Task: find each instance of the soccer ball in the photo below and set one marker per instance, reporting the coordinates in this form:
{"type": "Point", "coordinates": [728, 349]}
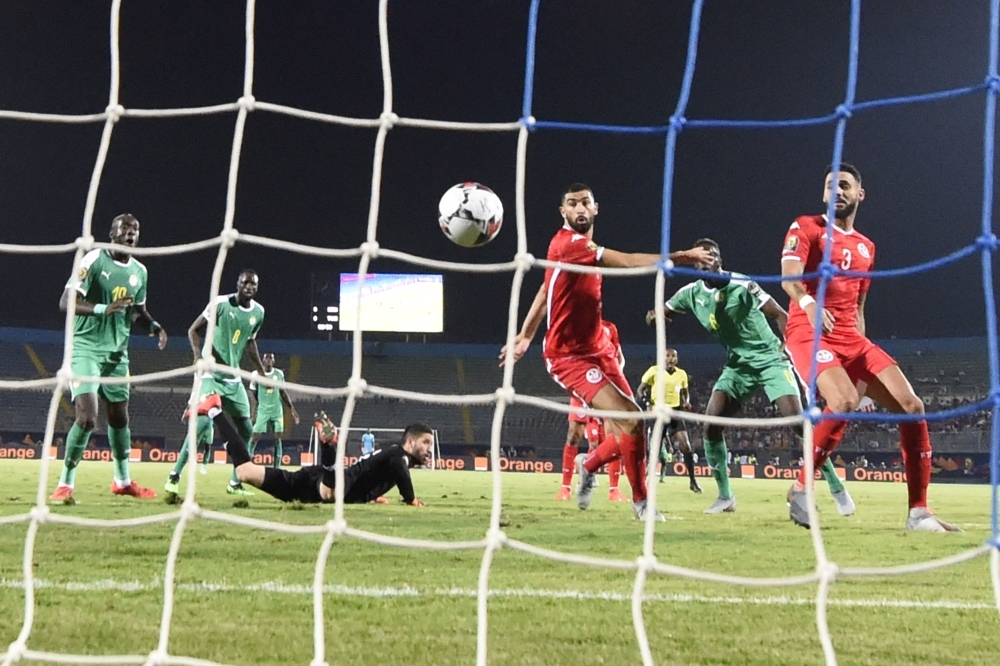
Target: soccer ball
{"type": "Point", "coordinates": [471, 214]}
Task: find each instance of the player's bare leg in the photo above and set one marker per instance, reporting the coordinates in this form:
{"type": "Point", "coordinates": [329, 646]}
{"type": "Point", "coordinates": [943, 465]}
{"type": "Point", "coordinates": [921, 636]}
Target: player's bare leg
{"type": "Point", "coordinates": [684, 444]}
{"type": "Point", "coordinates": [891, 389]}
{"type": "Point", "coordinates": [624, 437]}
{"type": "Point", "coordinates": [841, 395]}
{"type": "Point", "coordinates": [120, 438]}
{"type": "Point", "coordinates": [85, 406]}
{"type": "Point", "coordinates": [574, 433]}
{"type": "Point", "coordinates": [719, 404]}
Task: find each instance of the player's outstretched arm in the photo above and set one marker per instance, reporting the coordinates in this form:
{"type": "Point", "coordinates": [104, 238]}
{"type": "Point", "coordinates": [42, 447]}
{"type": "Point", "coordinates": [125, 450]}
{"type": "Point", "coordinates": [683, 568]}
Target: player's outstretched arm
{"type": "Point", "coordinates": [252, 394]}
{"type": "Point", "coordinates": [140, 313]}
{"type": "Point", "coordinates": [796, 290]}
{"type": "Point", "coordinates": [532, 321]}
{"type": "Point", "coordinates": [288, 403]}
{"type": "Point", "coordinates": [401, 475]}
{"type": "Point", "coordinates": [772, 310]}
{"type": "Point", "coordinates": [194, 335]}
{"type": "Point", "coordinates": [615, 259]}
{"type": "Point", "coordinates": [668, 315]}
{"type": "Point", "coordinates": [254, 353]}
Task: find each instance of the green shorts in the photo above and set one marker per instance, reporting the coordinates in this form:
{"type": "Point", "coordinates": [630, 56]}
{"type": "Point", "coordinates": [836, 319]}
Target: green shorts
{"type": "Point", "coordinates": [100, 364]}
{"type": "Point", "coordinates": [233, 394]}
{"type": "Point", "coordinates": [740, 383]}
{"type": "Point", "coordinates": [265, 420]}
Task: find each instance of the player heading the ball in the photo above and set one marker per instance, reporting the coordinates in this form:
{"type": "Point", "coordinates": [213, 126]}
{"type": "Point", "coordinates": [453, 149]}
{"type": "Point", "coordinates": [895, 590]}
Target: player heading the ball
{"type": "Point", "coordinates": [579, 355]}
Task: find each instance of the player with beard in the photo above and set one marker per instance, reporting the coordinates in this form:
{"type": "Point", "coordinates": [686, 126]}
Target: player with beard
{"type": "Point", "coordinates": [372, 476]}
{"type": "Point", "coordinates": [736, 310]}
{"type": "Point", "coordinates": [111, 296]}
{"type": "Point", "coordinates": [578, 352]}
{"type": "Point", "coordinates": [846, 356]}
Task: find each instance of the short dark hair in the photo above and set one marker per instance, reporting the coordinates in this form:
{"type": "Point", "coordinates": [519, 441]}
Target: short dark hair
{"type": "Point", "coordinates": [708, 244]}
{"type": "Point", "coordinates": [122, 219]}
{"type": "Point", "coordinates": [575, 187]}
{"type": "Point", "coordinates": [271, 353]}
{"type": "Point", "coordinates": [415, 430]}
{"type": "Point", "coordinates": [248, 271]}
{"type": "Point", "coordinates": [845, 168]}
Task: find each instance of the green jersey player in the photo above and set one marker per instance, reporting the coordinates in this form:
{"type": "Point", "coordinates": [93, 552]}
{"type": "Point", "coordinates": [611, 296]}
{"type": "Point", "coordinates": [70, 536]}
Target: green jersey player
{"type": "Point", "coordinates": [238, 319]}
{"type": "Point", "coordinates": [111, 295]}
{"type": "Point", "coordinates": [735, 310]}
{"type": "Point", "coordinates": [267, 407]}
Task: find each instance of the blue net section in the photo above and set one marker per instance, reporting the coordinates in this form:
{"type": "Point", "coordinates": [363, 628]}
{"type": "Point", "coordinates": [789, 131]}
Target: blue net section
{"type": "Point", "coordinates": [984, 245]}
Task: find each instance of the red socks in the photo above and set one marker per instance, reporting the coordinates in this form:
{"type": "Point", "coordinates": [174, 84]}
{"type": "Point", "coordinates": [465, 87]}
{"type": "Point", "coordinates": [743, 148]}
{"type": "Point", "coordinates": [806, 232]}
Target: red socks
{"type": "Point", "coordinates": [568, 463]}
{"type": "Point", "coordinates": [607, 451]}
{"type": "Point", "coordinates": [826, 436]}
{"type": "Point", "coordinates": [614, 471]}
{"type": "Point", "coordinates": [915, 443]}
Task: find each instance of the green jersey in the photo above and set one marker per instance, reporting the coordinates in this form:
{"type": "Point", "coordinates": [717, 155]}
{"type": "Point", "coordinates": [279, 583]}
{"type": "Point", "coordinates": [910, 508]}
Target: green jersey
{"type": "Point", "coordinates": [732, 314]}
{"type": "Point", "coordinates": [234, 327]}
{"type": "Point", "coordinates": [268, 397]}
{"type": "Point", "coordinates": [102, 279]}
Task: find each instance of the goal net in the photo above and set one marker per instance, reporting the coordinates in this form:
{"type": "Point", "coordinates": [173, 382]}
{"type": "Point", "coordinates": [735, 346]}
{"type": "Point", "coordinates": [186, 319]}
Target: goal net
{"type": "Point", "coordinates": [494, 536]}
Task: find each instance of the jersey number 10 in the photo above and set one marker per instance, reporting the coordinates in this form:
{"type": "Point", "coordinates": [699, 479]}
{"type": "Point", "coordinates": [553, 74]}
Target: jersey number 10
{"type": "Point", "coordinates": [118, 293]}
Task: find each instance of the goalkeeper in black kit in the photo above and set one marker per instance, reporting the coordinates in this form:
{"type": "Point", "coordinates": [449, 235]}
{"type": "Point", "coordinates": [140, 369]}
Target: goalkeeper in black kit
{"type": "Point", "coordinates": [365, 481]}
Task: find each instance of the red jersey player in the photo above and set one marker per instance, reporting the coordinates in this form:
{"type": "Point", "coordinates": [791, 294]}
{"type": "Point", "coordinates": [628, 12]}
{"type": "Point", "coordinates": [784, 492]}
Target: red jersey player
{"type": "Point", "coordinates": [578, 352]}
{"type": "Point", "coordinates": [581, 425]}
{"type": "Point", "coordinates": [846, 357]}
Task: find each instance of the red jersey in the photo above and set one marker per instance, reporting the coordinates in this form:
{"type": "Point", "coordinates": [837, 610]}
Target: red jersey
{"type": "Point", "coordinates": [574, 299]}
{"type": "Point", "coordinates": [852, 251]}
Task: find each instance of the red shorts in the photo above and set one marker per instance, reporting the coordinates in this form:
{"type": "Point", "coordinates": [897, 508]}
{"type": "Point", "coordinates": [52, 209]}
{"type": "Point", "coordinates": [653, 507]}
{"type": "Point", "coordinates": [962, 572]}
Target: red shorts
{"type": "Point", "coordinates": [576, 416]}
{"type": "Point", "coordinates": [859, 356]}
{"type": "Point", "coordinates": [595, 432]}
{"type": "Point", "coordinates": [584, 376]}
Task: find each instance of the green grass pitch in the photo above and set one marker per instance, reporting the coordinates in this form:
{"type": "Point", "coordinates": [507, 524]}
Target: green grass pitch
{"type": "Point", "coordinates": [243, 595]}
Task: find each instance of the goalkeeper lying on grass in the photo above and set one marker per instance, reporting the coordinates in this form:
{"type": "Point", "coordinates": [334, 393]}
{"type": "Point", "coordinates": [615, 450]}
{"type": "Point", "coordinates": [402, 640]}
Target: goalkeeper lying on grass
{"type": "Point", "coordinates": [367, 480]}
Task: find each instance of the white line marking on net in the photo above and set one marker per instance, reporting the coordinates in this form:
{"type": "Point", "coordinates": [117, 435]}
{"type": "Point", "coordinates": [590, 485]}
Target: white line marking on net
{"type": "Point", "coordinates": [277, 587]}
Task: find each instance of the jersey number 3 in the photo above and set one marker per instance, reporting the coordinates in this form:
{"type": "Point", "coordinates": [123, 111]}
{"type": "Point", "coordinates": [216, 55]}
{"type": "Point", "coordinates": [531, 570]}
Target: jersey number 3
{"type": "Point", "coordinates": [846, 263]}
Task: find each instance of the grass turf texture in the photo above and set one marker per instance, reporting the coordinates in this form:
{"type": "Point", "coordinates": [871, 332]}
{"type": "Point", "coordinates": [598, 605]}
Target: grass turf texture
{"type": "Point", "coordinates": [243, 595]}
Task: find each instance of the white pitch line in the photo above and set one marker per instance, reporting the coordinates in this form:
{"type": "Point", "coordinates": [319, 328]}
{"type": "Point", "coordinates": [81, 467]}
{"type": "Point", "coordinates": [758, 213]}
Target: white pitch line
{"type": "Point", "coordinates": [275, 587]}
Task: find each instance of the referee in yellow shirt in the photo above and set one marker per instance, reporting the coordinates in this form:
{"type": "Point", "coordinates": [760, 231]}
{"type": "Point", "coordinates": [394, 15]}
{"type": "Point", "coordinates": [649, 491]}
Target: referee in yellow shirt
{"type": "Point", "coordinates": [676, 396]}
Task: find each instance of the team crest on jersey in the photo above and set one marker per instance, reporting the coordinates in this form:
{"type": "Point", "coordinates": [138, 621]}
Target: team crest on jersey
{"type": "Point", "coordinates": [863, 251]}
{"type": "Point", "coordinates": [253, 320]}
{"type": "Point", "coordinates": [791, 244]}
{"type": "Point", "coordinates": [824, 356]}
{"type": "Point", "coordinates": [594, 375]}
{"type": "Point", "coordinates": [133, 280]}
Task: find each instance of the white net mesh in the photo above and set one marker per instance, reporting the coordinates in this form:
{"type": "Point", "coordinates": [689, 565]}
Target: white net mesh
{"type": "Point", "coordinates": [825, 573]}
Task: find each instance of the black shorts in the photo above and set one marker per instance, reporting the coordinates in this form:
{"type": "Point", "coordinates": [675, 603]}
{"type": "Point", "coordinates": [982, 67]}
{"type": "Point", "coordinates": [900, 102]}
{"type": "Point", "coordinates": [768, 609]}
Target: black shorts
{"type": "Point", "coordinates": [301, 485]}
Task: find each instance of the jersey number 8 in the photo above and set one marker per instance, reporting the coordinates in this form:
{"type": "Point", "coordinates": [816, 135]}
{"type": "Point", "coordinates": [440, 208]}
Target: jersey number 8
{"type": "Point", "coordinates": [236, 335]}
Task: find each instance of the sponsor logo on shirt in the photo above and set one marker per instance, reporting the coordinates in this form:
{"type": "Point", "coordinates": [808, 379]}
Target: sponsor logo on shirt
{"type": "Point", "coordinates": [594, 375]}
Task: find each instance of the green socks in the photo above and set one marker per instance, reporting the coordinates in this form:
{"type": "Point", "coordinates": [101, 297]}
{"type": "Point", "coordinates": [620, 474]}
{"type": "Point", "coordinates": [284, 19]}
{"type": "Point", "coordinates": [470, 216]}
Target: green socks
{"type": "Point", "coordinates": [204, 434]}
{"type": "Point", "coordinates": [245, 431]}
{"type": "Point", "coordinates": [829, 471]}
{"type": "Point", "coordinates": [121, 445]}
{"type": "Point", "coordinates": [278, 452]}
{"type": "Point", "coordinates": [717, 458]}
{"type": "Point", "coordinates": [76, 442]}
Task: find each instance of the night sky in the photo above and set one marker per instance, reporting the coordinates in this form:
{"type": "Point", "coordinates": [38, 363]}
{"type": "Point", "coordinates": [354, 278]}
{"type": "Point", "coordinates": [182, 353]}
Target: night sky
{"type": "Point", "coordinates": [603, 62]}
